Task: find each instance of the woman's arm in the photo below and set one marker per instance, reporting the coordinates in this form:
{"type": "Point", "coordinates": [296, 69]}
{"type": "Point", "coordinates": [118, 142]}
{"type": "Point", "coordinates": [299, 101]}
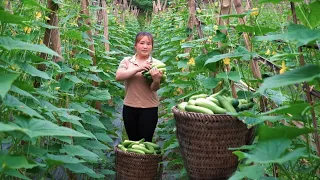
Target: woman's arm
{"type": "Point", "coordinates": [124, 73]}
{"type": "Point", "coordinates": [156, 77]}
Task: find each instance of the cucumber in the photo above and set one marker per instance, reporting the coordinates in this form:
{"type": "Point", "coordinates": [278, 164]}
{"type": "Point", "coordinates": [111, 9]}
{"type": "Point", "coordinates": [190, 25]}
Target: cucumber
{"type": "Point", "coordinates": [135, 151]}
{"type": "Point", "coordinates": [243, 101]}
{"type": "Point", "coordinates": [155, 146]}
{"type": "Point", "coordinates": [120, 146]}
{"type": "Point", "coordinates": [235, 102]}
{"type": "Point", "coordinates": [247, 106]}
{"type": "Point", "coordinates": [226, 104]}
{"type": "Point", "coordinates": [181, 106]}
{"type": "Point", "coordinates": [192, 102]}
{"type": "Point", "coordinates": [198, 96]}
{"type": "Point", "coordinates": [138, 147]}
{"type": "Point", "coordinates": [162, 69]}
{"type": "Point", "coordinates": [210, 105]}
{"type": "Point", "coordinates": [126, 143]}
{"type": "Point", "coordinates": [214, 100]}
{"type": "Point", "coordinates": [149, 147]}
{"type": "Point", "coordinates": [198, 109]}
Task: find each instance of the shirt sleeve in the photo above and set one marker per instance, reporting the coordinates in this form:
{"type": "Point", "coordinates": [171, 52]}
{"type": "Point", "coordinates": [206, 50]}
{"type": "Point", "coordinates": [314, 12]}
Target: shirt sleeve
{"type": "Point", "coordinates": [123, 64]}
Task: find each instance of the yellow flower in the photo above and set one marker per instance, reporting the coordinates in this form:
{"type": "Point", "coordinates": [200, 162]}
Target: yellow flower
{"type": "Point", "coordinates": [283, 68]}
{"type": "Point", "coordinates": [216, 4]}
{"type": "Point", "coordinates": [177, 58]}
{"type": "Point", "coordinates": [182, 41]}
{"type": "Point", "coordinates": [40, 42]}
{"type": "Point", "coordinates": [177, 27]}
{"type": "Point", "coordinates": [47, 18]}
{"type": "Point", "coordinates": [27, 30]}
{"type": "Point", "coordinates": [274, 52]}
{"type": "Point", "coordinates": [38, 15]}
{"type": "Point", "coordinates": [215, 27]}
{"type": "Point", "coordinates": [57, 88]}
{"type": "Point", "coordinates": [268, 52]}
{"type": "Point", "coordinates": [191, 62]}
{"type": "Point", "coordinates": [254, 12]}
{"type": "Point", "coordinates": [226, 61]}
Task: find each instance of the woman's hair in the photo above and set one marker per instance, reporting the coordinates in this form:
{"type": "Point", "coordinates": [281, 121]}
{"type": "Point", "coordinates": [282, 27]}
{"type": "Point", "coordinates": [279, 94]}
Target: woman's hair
{"type": "Point", "coordinates": [140, 35]}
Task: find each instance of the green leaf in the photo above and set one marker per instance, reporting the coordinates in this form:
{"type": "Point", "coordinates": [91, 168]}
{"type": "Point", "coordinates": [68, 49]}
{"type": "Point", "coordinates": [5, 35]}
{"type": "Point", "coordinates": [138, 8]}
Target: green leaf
{"type": "Point", "coordinates": [66, 69]}
{"type": "Point", "coordinates": [61, 159]}
{"type": "Point", "coordinates": [8, 127]}
{"type": "Point", "coordinates": [73, 34]}
{"type": "Point", "coordinates": [92, 120]}
{"type": "Point", "coordinates": [15, 173]}
{"type": "Point", "coordinates": [38, 128]}
{"type": "Point", "coordinates": [258, 30]}
{"type": "Point", "coordinates": [200, 60]}
{"type": "Point", "coordinates": [34, 71]}
{"type": "Point", "coordinates": [22, 92]}
{"type": "Point", "coordinates": [91, 144]}
{"type": "Point", "coordinates": [6, 80]}
{"type": "Point", "coordinates": [6, 17]}
{"type": "Point", "coordinates": [251, 172]}
{"type": "Point", "coordinates": [232, 75]}
{"type": "Point", "coordinates": [78, 107]}
{"type": "Point", "coordinates": [269, 133]}
{"type": "Point", "coordinates": [103, 137]}
{"type": "Point", "coordinates": [98, 95]}
{"type": "Point", "coordinates": [76, 150]}
{"type": "Point", "coordinates": [210, 82]}
{"type": "Point", "coordinates": [305, 73]}
{"type": "Point", "coordinates": [274, 151]}
{"type": "Point", "coordinates": [183, 63]}
{"type": "Point", "coordinates": [15, 162]}
{"type": "Point", "coordinates": [33, 3]}
{"type": "Point", "coordinates": [296, 33]}
{"type": "Point", "coordinates": [13, 102]}
{"type": "Point", "coordinates": [294, 108]}
{"type": "Point", "coordinates": [80, 168]}
{"type": "Point", "coordinates": [309, 14]}
{"type": "Point", "coordinates": [12, 44]}
{"type": "Point", "coordinates": [73, 78]}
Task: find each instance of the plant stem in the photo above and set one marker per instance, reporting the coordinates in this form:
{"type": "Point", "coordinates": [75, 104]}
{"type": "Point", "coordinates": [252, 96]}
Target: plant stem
{"type": "Point", "coordinates": [285, 171]}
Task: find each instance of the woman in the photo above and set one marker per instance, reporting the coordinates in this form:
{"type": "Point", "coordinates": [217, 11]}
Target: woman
{"type": "Point", "coordinates": [140, 109]}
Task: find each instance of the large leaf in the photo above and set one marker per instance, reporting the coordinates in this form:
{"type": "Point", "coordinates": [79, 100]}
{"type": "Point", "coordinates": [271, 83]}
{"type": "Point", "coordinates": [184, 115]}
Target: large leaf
{"type": "Point", "coordinates": [37, 128]}
{"type": "Point", "coordinates": [240, 52]}
{"type": "Point", "coordinates": [309, 14]}
{"type": "Point", "coordinates": [13, 102]}
{"type": "Point", "coordinates": [210, 82]}
{"type": "Point", "coordinates": [7, 17]}
{"type": "Point", "coordinates": [274, 151]}
{"type": "Point", "coordinates": [22, 92]}
{"type": "Point", "coordinates": [98, 95]}
{"type": "Point", "coordinates": [91, 144]}
{"type": "Point", "coordinates": [12, 44]}
{"type": "Point", "coordinates": [61, 159]}
{"type": "Point", "coordinates": [80, 168]}
{"type": "Point", "coordinates": [76, 150]}
{"type": "Point", "coordinates": [305, 73]}
{"type": "Point", "coordinates": [104, 137]}
{"type": "Point", "coordinates": [269, 133]}
{"type": "Point", "coordinates": [297, 33]}
{"type": "Point", "coordinates": [8, 127]}
{"type": "Point", "coordinates": [34, 71]}
{"type": "Point", "coordinates": [6, 80]}
{"type": "Point", "coordinates": [294, 108]}
{"type": "Point", "coordinates": [251, 172]}
{"type": "Point", "coordinates": [15, 173]}
{"type": "Point", "coordinates": [232, 75]}
{"type": "Point", "coordinates": [15, 162]}
{"type": "Point", "coordinates": [92, 120]}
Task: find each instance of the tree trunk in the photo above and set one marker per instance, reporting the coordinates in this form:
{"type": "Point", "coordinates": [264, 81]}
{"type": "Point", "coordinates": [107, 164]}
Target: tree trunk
{"type": "Point", "coordinates": [85, 11]}
{"type": "Point", "coordinates": [105, 24]}
{"type": "Point", "coordinates": [191, 22]}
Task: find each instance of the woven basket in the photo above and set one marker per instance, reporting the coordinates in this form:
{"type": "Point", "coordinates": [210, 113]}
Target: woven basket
{"type": "Point", "coordinates": [133, 166]}
{"type": "Point", "coordinates": [204, 141]}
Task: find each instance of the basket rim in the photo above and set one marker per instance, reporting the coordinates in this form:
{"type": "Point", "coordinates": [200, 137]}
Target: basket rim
{"type": "Point", "coordinates": [174, 108]}
{"type": "Point", "coordinates": [117, 149]}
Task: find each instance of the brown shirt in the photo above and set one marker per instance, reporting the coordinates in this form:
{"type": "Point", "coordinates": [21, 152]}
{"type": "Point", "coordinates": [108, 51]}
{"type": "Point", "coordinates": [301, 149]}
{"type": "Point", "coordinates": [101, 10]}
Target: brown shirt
{"type": "Point", "coordinates": [138, 91]}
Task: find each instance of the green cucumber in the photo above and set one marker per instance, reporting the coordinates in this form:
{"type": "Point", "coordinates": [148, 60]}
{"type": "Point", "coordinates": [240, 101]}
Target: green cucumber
{"type": "Point", "coordinates": [219, 93]}
{"type": "Point", "coordinates": [181, 106]}
{"type": "Point", "coordinates": [243, 101]}
{"type": "Point", "coordinates": [198, 109]}
{"type": "Point", "coordinates": [155, 146]}
{"type": "Point", "coordinates": [198, 96]}
{"type": "Point", "coordinates": [138, 147]}
{"type": "Point", "coordinates": [235, 102]}
{"type": "Point", "coordinates": [149, 147]}
{"type": "Point", "coordinates": [210, 105]}
{"type": "Point", "coordinates": [225, 103]}
{"type": "Point", "coordinates": [120, 146]}
{"type": "Point", "coordinates": [247, 106]}
{"type": "Point", "coordinates": [135, 151]}
{"type": "Point", "coordinates": [192, 102]}
{"type": "Point", "coordinates": [126, 143]}
{"type": "Point", "coordinates": [214, 100]}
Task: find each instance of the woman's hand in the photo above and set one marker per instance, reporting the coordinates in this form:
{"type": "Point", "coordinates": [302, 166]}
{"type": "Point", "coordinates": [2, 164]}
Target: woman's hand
{"type": "Point", "coordinates": [144, 66]}
{"type": "Point", "coordinates": [156, 75]}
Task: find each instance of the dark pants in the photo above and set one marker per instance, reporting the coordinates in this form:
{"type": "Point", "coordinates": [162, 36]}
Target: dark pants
{"type": "Point", "coordinates": [140, 122]}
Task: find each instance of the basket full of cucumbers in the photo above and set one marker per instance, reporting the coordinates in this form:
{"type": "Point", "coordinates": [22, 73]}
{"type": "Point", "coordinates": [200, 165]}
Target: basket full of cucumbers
{"type": "Point", "coordinates": [138, 160]}
{"type": "Point", "coordinates": [205, 132]}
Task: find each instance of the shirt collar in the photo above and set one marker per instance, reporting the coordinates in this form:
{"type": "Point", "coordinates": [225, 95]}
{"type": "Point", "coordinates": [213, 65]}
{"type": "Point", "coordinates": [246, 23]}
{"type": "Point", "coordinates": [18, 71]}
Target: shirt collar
{"type": "Point", "coordinates": [133, 59]}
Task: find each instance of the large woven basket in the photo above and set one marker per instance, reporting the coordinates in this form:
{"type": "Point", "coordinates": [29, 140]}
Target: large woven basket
{"type": "Point", "coordinates": [133, 166]}
{"type": "Point", "coordinates": [204, 141]}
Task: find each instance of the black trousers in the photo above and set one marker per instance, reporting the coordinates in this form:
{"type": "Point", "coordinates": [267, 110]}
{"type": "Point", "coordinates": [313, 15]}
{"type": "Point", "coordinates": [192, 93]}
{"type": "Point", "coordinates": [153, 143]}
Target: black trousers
{"type": "Point", "coordinates": [140, 122]}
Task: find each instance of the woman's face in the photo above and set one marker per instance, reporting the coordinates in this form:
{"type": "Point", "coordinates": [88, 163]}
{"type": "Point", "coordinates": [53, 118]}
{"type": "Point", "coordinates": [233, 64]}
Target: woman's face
{"type": "Point", "coordinates": [144, 46]}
